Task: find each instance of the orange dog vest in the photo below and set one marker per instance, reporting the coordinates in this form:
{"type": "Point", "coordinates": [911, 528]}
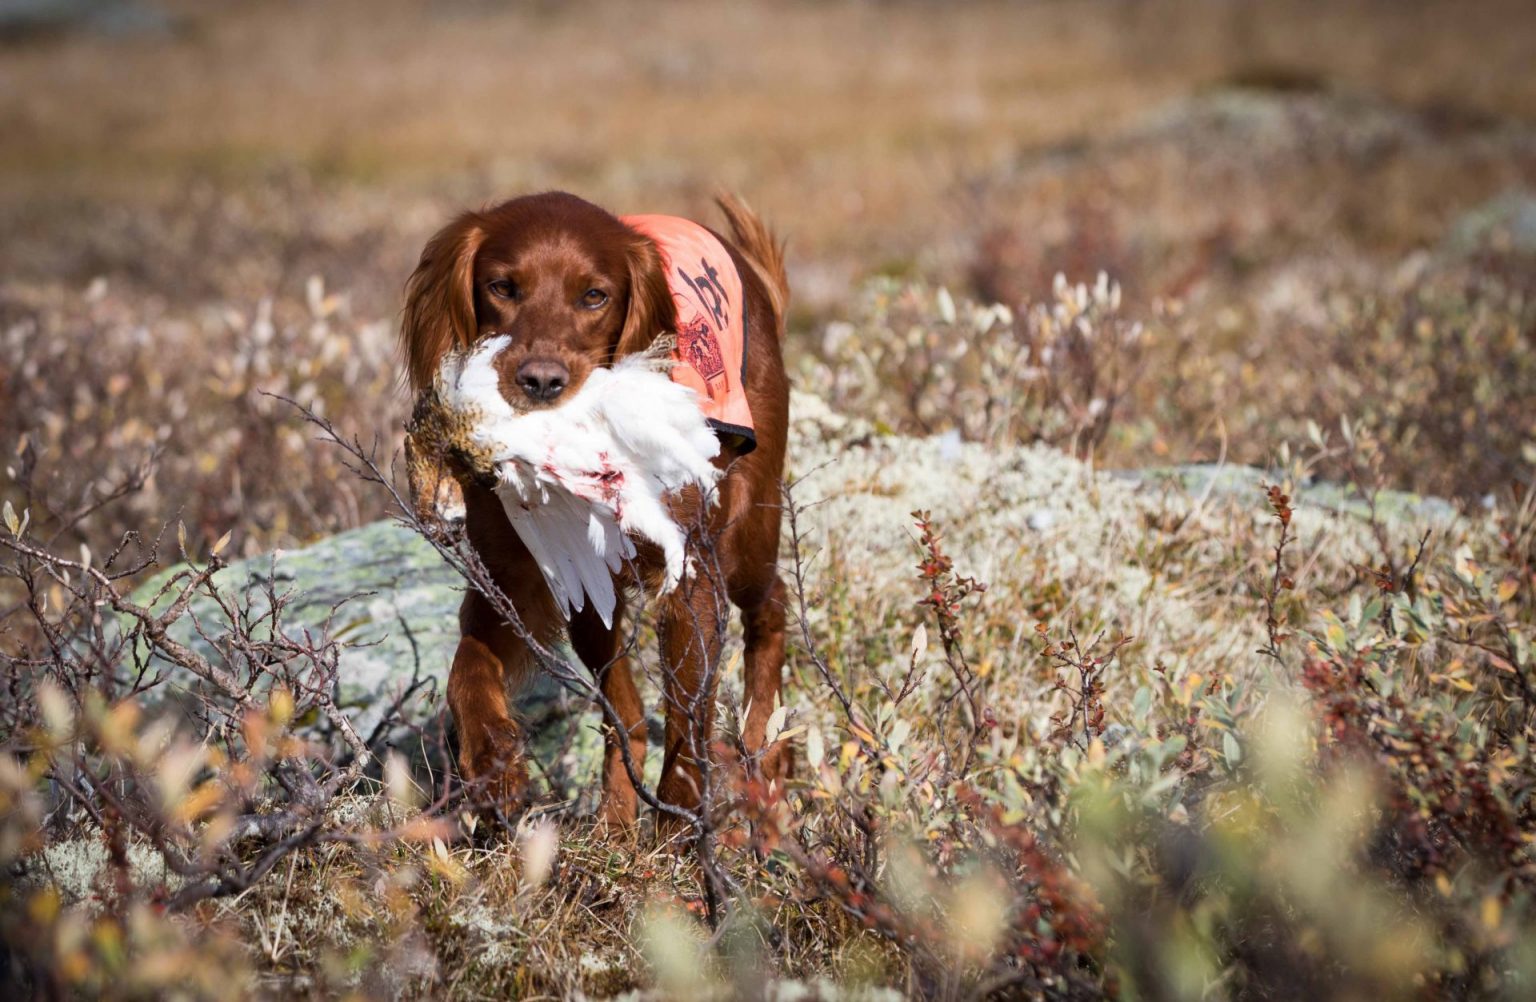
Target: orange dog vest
{"type": "Point", "coordinates": [711, 322]}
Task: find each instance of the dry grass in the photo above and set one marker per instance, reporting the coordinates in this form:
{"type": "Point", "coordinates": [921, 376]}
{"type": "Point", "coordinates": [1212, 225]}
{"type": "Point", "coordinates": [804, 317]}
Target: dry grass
{"type": "Point", "coordinates": [1174, 813]}
{"type": "Point", "coordinates": [873, 133]}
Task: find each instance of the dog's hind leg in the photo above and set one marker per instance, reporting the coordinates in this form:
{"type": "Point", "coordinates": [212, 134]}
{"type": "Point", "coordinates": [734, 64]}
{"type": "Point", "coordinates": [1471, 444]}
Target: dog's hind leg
{"type": "Point", "coordinates": [598, 647]}
{"type": "Point", "coordinates": [758, 591]}
{"type": "Point", "coordinates": [762, 620]}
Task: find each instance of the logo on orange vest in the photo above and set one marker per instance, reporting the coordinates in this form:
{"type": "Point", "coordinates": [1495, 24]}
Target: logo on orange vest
{"type": "Point", "coordinates": [711, 293]}
{"type": "Point", "coordinates": [697, 344]}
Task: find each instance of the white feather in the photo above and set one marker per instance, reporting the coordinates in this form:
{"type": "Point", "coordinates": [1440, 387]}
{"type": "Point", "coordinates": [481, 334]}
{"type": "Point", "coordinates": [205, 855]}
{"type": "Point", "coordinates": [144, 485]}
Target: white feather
{"type": "Point", "coordinates": [578, 480]}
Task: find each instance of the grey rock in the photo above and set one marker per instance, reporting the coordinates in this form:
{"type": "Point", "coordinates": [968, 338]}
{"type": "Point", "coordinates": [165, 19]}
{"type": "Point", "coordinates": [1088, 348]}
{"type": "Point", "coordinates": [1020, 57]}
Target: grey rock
{"type": "Point", "coordinates": [26, 18]}
{"type": "Point", "coordinates": [1505, 224]}
{"type": "Point", "coordinates": [1237, 481]}
{"type": "Point", "coordinates": [1254, 122]}
{"type": "Point", "coordinates": [396, 607]}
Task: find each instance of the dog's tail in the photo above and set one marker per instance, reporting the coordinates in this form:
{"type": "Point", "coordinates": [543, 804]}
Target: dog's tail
{"type": "Point", "coordinates": [763, 250]}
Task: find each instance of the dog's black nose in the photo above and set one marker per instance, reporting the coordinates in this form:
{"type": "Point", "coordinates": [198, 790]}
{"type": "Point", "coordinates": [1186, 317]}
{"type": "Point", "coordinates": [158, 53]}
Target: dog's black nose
{"type": "Point", "coordinates": [543, 379]}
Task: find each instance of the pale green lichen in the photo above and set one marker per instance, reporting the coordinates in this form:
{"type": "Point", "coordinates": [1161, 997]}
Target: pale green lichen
{"type": "Point", "coordinates": [82, 872]}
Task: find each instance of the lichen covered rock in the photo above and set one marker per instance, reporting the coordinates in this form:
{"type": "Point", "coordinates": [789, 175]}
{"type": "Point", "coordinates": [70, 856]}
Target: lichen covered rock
{"type": "Point", "coordinates": [1033, 522]}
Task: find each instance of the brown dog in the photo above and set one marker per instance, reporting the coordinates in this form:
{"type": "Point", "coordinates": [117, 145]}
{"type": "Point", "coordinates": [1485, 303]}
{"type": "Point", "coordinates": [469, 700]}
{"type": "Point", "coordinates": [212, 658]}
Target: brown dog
{"type": "Point", "coordinates": [577, 288]}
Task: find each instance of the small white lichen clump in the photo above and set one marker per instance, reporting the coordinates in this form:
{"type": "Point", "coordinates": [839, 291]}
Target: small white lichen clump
{"type": "Point", "coordinates": [578, 480]}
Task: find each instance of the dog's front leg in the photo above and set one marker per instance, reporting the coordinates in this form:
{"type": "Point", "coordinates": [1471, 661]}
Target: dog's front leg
{"type": "Point", "coordinates": [690, 627]}
{"type": "Point", "coordinates": [599, 648]}
{"type": "Point", "coordinates": [490, 661]}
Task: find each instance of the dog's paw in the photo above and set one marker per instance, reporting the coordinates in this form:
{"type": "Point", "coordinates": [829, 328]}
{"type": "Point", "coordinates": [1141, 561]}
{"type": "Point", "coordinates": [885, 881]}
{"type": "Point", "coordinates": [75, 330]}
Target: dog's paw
{"type": "Point", "coordinates": [618, 820]}
{"type": "Point", "coordinates": [493, 770]}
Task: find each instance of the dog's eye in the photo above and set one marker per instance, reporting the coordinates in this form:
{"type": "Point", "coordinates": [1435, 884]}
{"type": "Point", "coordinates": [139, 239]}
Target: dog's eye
{"type": "Point", "coordinates": [594, 299]}
{"type": "Point", "coordinates": [502, 289]}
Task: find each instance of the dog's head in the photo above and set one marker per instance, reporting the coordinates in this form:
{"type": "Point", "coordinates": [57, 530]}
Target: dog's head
{"type": "Point", "coordinates": [568, 283]}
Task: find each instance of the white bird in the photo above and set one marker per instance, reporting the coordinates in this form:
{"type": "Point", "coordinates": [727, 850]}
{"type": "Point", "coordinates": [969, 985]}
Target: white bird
{"type": "Point", "coordinates": [578, 480]}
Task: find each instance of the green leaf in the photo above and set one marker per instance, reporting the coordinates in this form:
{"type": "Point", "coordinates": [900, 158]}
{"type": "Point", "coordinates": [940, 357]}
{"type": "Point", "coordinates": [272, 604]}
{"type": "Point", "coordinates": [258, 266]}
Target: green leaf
{"type": "Point", "coordinates": [1231, 749]}
{"type": "Point", "coordinates": [1141, 703]}
{"type": "Point", "coordinates": [1419, 616]}
{"type": "Point", "coordinates": [1334, 633]}
{"type": "Point", "coordinates": [11, 521]}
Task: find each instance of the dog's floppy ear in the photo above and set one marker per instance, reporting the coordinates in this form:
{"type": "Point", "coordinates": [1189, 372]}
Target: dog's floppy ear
{"type": "Point", "coordinates": [651, 310]}
{"type": "Point", "coordinates": [440, 299]}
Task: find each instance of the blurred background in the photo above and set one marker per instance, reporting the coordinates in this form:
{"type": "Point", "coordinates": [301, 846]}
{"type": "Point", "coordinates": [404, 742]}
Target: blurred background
{"type": "Point", "coordinates": [202, 201]}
